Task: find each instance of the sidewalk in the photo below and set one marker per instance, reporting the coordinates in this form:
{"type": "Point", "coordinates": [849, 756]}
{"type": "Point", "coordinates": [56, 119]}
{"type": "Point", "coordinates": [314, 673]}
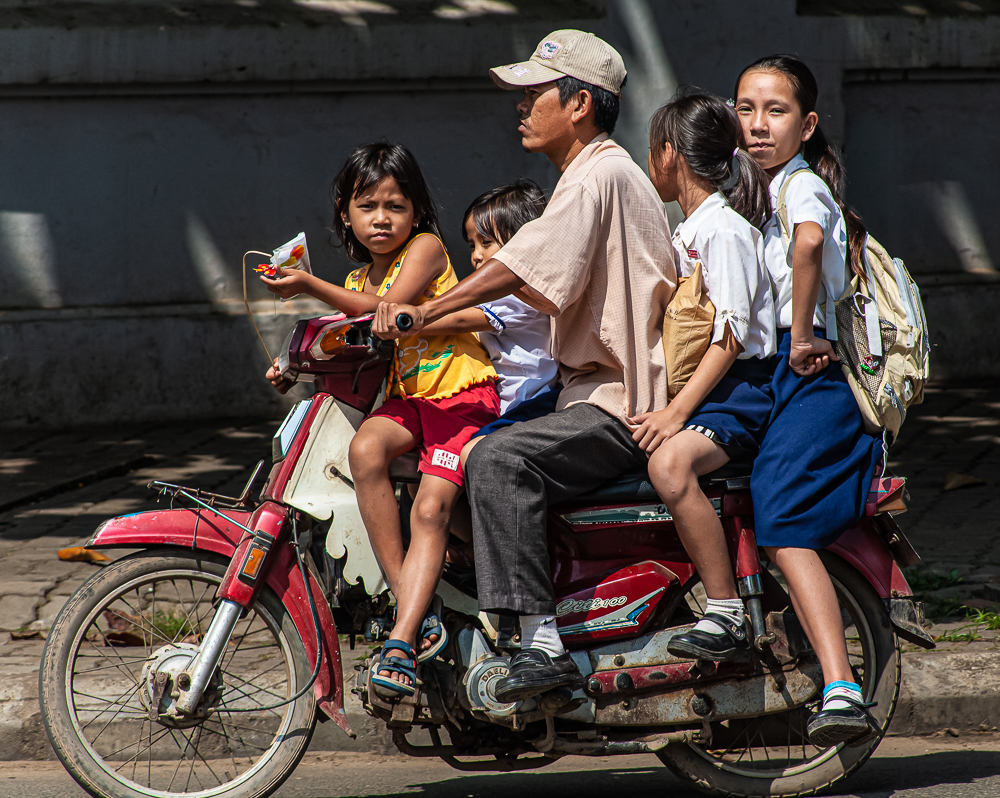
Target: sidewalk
{"type": "Point", "coordinates": [55, 488]}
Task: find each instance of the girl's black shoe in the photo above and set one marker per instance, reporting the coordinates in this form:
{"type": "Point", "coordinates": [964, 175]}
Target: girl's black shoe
{"type": "Point", "coordinates": [853, 725]}
{"type": "Point", "coordinates": [730, 645]}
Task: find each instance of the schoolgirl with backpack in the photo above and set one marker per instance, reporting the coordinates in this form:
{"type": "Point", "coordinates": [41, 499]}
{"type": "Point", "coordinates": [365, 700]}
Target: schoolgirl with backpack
{"type": "Point", "coordinates": [811, 478]}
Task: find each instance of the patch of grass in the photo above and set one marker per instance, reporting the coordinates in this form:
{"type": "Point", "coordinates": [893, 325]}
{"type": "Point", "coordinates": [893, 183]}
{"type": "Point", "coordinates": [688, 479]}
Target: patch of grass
{"type": "Point", "coordinates": [172, 625]}
{"type": "Point", "coordinates": [978, 621]}
{"type": "Point", "coordinates": [987, 619]}
{"type": "Point", "coordinates": [922, 580]}
{"type": "Point", "coordinates": [965, 634]}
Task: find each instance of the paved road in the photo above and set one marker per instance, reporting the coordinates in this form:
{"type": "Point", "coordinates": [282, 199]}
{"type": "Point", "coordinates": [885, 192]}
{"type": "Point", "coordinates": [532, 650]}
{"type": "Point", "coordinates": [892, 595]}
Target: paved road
{"type": "Point", "coordinates": [937, 767]}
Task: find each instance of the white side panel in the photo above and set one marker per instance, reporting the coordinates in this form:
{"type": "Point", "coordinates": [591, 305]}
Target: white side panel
{"type": "Point", "coordinates": [316, 488]}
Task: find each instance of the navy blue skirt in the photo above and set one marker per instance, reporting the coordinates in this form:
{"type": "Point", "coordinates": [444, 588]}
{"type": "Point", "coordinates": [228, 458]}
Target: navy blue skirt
{"type": "Point", "coordinates": [739, 407]}
{"type": "Point", "coordinates": [537, 406]}
{"type": "Point", "coordinates": [812, 474]}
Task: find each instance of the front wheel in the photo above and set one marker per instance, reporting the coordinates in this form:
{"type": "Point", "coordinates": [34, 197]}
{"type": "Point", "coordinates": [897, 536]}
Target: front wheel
{"type": "Point", "coordinates": [771, 755]}
{"type": "Point", "coordinates": [95, 692]}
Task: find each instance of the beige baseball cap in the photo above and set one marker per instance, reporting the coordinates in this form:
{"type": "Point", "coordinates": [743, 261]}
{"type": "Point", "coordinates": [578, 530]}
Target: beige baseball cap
{"type": "Point", "coordinates": [576, 53]}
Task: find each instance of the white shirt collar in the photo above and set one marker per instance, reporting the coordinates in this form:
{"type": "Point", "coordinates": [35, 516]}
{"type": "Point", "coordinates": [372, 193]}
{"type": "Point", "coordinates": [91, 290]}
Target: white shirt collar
{"type": "Point", "coordinates": [687, 229]}
{"type": "Point", "coordinates": [798, 162]}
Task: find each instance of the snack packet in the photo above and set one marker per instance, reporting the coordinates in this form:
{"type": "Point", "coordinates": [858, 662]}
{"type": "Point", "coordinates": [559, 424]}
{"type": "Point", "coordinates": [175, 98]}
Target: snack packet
{"type": "Point", "coordinates": [293, 255]}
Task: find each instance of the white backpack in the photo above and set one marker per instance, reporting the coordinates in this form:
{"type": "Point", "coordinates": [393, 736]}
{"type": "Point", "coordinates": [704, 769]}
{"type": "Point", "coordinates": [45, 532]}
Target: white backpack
{"type": "Point", "coordinates": [880, 335]}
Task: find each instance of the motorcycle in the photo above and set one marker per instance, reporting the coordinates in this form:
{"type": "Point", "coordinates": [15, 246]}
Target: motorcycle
{"type": "Point", "coordinates": [200, 664]}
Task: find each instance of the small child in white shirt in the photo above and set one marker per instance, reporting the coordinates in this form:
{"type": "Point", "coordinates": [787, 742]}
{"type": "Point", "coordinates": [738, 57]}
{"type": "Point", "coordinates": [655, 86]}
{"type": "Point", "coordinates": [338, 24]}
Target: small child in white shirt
{"type": "Point", "coordinates": [517, 337]}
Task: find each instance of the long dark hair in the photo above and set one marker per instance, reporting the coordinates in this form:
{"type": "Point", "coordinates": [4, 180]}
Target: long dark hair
{"type": "Point", "coordinates": [502, 211]}
{"type": "Point", "coordinates": [367, 166]}
{"type": "Point", "coordinates": [823, 158]}
{"type": "Point", "coordinates": [707, 133]}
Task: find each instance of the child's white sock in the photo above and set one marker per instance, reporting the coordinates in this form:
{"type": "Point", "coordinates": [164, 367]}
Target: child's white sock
{"type": "Point", "coordinates": [539, 631]}
{"type": "Point", "coordinates": [835, 693]}
{"type": "Point", "coordinates": [730, 609]}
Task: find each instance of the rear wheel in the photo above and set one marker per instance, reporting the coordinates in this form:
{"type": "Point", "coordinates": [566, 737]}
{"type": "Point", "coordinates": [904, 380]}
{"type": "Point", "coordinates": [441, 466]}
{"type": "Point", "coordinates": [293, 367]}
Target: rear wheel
{"type": "Point", "coordinates": [771, 755]}
{"type": "Point", "coordinates": [95, 696]}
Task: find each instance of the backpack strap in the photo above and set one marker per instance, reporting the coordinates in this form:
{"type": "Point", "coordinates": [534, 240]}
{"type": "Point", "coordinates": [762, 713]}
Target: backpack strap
{"type": "Point", "coordinates": [872, 326]}
{"type": "Point", "coordinates": [781, 212]}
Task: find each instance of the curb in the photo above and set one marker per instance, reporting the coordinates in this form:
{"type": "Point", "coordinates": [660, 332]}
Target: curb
{"type": "Point", "coordinates": [959, 691]}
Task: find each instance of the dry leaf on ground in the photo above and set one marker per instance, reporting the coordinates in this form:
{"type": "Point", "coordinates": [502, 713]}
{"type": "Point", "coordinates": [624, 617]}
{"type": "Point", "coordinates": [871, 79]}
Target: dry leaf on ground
{"type": "Point", "coordinates": [81, 554]}
{"type": "Point", "coordinates": [953, 480]}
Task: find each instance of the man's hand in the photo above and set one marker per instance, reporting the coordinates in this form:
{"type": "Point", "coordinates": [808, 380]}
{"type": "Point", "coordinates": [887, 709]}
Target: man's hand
{"type": "Point", "coordinates": [810, 355]}
{"type": "Point", "coordinates": [286, 283]}
{"type": "Point", "coordinates": [657, 427]}
{"type": "Point", "coordinates": [281, 385]}
{"type": "Point", "coordinates": [384, 325]}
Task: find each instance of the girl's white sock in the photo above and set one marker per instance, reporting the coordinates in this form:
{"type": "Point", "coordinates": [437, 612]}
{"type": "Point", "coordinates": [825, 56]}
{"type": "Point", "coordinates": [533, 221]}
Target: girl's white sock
{"type": "Point", "coordinates": [730, 609]}
{"type": "Point", "coordinates": [835, 693]}
{"type": "Point", "coordinates": [539, 631]}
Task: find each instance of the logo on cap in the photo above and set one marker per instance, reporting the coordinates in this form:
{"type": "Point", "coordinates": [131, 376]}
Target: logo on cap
{"type": "Point", "coordinates": [548, 50]}
{"type": "Point", "coordinates": [518, 70]}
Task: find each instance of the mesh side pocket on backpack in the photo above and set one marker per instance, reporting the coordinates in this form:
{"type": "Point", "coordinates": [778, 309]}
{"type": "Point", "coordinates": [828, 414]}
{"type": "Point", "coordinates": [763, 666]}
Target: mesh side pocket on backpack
{"type": "Point", "coordinates": [868, 370]}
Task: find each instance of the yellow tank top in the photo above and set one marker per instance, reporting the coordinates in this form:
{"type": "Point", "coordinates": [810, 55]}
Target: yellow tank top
{"type": "Point", "coordinates": [433, 366]}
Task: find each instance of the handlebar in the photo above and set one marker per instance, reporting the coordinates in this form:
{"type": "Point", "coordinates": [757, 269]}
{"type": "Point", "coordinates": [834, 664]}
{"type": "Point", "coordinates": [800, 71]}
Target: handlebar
{"type": "Point", "coordinates": [404, 321]}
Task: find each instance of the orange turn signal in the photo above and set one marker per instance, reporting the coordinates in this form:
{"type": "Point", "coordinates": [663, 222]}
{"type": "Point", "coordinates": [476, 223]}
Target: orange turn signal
{"type": "Point", "coordinates": [253, 561]}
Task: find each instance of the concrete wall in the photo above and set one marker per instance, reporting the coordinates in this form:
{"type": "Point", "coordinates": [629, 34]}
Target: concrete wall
{"type": "Point", "coordinates": [145, 151]}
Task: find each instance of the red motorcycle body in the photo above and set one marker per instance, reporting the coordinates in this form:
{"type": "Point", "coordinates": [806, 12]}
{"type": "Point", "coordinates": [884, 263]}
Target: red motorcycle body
{"type": "Point", "coordinates": [618, 567]}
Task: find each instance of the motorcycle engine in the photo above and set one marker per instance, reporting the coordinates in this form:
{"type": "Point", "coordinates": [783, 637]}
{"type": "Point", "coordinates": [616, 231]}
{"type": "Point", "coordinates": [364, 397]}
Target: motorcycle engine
{"type": "Point", "coordinates": [480, 683]}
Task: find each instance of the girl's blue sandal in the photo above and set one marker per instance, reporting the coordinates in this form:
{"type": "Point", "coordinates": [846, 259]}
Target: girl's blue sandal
{"type": "Point", "coordinates": [386, 686]}
{"type": "Point", "coordinates": [433, 625]}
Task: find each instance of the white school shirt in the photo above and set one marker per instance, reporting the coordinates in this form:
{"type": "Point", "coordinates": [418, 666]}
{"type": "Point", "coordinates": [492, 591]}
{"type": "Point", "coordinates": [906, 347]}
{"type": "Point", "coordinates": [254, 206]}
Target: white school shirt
{"type": "Point", "coordinates": [520, 347]}
{"type": "Point", "coordinates": [808, 199]}
{"type": "Point", "coordinates": [731, 253]}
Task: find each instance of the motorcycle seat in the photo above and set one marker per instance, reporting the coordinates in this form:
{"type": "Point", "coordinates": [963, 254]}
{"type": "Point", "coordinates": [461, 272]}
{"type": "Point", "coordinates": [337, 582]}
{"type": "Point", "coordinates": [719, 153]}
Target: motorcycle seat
{"type": "Point", "coordinates": [632, 486]}
{"type": "Point", "coordinates": [635, 485]}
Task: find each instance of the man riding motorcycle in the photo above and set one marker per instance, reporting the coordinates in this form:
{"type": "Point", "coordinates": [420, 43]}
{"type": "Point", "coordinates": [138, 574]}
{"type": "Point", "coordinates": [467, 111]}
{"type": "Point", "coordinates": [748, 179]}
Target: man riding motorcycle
{"type": "Point", "coordinates": [600, 261]}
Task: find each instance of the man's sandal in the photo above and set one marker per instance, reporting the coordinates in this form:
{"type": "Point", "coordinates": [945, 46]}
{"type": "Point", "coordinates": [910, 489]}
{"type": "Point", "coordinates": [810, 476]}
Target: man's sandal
{"type": "Point", "coordinates": [433, 625]}
{"type": "Point", "coordinates": [387, 687]}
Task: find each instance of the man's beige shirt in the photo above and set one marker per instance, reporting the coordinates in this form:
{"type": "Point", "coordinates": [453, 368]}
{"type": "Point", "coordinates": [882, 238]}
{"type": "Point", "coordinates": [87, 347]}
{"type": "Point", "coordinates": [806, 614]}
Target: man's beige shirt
{"type": "Point", "coordinates": [602, 254]}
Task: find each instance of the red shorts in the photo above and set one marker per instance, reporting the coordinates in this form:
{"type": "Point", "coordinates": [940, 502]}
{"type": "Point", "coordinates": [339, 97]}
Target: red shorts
{"type": "Point", "coordinates": [443, 426]}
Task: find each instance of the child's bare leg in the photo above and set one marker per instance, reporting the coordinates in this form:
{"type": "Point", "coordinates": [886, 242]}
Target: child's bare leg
{"type": "Point", "coordinates": [421, 570]}
{"type": "Point", "coordinates": [674, 469]}
{"type": "Point", "coordinates": [461, 516]}
{"type": "Point", "coordinates": [376, 444]}
{"type": "Point", "coordinates": [815, 603]}
{"type": "Point", "coordinates": [843, 716]}
{"type": "Point", "coordinates": [468, 448]}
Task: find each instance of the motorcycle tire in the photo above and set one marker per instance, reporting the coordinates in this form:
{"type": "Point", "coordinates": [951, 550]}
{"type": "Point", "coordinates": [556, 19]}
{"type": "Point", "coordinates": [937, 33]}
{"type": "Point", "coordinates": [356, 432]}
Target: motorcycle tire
{"type": "Point", "coordinates": [97, 626]}
{"type": "Point", "coordinates": [728, 772]}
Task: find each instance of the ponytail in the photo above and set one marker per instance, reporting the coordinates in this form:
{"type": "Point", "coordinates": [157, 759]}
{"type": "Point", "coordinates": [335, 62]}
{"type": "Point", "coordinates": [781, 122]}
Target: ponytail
{"type": "Point", "coordinates": [824, 160]}
{"type": "Point", "coordinates": [822, 157]}
{"type": "Point", "coordinates": [749, 197]}
{"type": "Point", "coordinates": [705, 131]}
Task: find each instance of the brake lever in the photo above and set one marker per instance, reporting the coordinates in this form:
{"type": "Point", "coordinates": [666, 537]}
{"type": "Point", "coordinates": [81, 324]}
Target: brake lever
{"type": "Point", "coordinates": [375, 350]}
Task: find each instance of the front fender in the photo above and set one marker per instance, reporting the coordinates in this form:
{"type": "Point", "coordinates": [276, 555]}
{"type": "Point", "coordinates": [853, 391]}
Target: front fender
{"type": "Point", "coordinates": [191, 529]}
{"type": "Point", "coordinates": [203, 531]}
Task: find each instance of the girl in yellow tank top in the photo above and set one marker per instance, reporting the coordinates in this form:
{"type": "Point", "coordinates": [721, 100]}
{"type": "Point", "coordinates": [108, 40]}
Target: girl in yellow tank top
{"type": "Point", "coordinates": [432, 366]}
{"type": "Point", "coordinates": [443, 390]}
